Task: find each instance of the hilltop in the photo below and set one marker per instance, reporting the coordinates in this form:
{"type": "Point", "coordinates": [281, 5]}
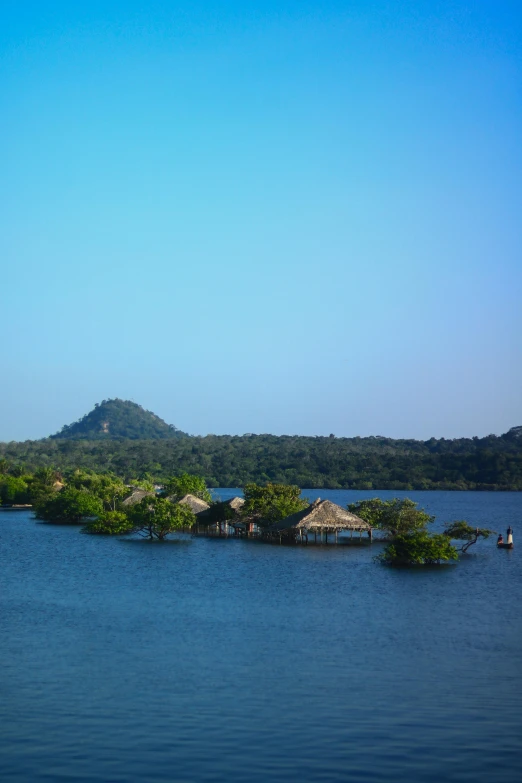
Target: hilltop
{"type": "Point", "coordinates": [116, 419]}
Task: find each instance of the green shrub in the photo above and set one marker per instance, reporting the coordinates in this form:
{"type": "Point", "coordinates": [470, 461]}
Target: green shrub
{"type": "Point", "coordinates": [110, 523]}
{"type": "Point", "coordinates": [419, 548]}
{"type": "Point", "coordinates": [69, 505]}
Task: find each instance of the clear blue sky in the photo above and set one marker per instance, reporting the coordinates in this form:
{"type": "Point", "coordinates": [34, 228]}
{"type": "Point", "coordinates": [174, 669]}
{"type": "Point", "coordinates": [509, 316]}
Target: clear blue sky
{"type": "Point", "coordinates": [286, 217]}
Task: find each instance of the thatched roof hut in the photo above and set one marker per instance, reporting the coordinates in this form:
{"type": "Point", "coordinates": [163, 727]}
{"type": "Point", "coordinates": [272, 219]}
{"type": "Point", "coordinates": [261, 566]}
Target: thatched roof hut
{"type": "Point", "coordinates": [136, 496]}
{"type": "Point", "coordinates": [236, 504]}
{"type": "Point", "coordinates": [218, 510]}
{"type": "Point", "coordinates": [219, 515]}
{"type": "Point", "coordinates": [322, 515]}
{"type": "Point", "coordinates": [196, 504]}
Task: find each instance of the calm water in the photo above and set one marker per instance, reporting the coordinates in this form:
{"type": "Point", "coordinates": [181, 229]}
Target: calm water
{"type": "Point", "coordinates": [225, 660]}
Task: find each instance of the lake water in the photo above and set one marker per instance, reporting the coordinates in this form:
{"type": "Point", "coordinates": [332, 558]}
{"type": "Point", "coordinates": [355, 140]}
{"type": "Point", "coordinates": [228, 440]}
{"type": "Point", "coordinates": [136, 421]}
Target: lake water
{"type": "Point", "coordinates": [229, 660]}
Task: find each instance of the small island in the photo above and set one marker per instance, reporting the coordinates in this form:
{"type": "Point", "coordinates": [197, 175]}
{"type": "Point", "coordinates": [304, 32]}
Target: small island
{"type": "Point", "coordinates": [105, 504]}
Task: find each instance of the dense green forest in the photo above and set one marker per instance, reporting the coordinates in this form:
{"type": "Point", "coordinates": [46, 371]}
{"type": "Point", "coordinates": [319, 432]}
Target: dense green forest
{"type": "Point", "coordinates": [490, 463]}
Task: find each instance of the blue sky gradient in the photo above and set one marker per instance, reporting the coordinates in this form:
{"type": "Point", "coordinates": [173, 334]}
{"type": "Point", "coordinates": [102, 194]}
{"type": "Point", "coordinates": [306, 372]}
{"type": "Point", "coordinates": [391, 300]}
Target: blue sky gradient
{"type": "Point", "coordinates": [294, 217]}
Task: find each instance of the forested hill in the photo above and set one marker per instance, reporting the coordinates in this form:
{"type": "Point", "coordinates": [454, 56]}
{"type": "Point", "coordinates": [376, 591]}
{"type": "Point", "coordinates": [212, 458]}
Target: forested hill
{"type": "Point", "coordinates": [493, 462]}
{"type": "Point", "coordinates": [113, 419]}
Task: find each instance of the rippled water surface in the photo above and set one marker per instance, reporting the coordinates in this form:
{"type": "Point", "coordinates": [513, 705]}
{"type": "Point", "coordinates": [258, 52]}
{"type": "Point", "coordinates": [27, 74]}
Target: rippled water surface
{"type": "Point", "coordinates": [225, 660]}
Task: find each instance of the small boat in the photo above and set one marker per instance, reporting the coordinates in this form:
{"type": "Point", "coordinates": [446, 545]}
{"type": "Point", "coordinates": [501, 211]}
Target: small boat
{"type": "Point", "coordinates": [509, 543]}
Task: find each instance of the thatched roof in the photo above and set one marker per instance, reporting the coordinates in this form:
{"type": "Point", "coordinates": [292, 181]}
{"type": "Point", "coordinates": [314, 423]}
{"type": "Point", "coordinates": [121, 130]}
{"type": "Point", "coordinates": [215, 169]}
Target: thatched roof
{"type": "Point", "coordinates": [196, 504]}
{"type": "Point", "coordinates": [235, 503]}
{"type": "Point", "coordinates": [322, 514]}
{"type": "Point", "coordinates": [136, 496]}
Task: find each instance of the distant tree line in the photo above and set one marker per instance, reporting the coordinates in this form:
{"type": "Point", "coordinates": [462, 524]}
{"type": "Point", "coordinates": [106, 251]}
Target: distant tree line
{"type": "Point", "coordinates": [490, 463]}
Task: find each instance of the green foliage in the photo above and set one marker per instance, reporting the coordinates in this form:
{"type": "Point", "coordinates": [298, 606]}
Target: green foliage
{"type": "Point", "coordinates": [145, 484]}
{"type": "Point", "coordinates": [111, 492]}
{"type": "Point", "coordinates": [398, 516]}
{"type": "Point", "coordinates": [69, 505]}
{"type": "Point", "coordinates": [13, 489]}
{"type": "Point", "coordinates": [186, 484]}
{"type": "Point", "coordinates": [461, 531]}
{"type": "Point", "coordinates": [39, 492]}
{"type": "Point", "coordinates": [46, 476]}
{"type": "Point", "coordinates": [108, 487]}
{"type": "Point", "coordinates": [411, 543]}
{"type": "Point", "coordinates": [156, 517]}
{"type": "Point", "coordinates": [118, 419]}
{"type": "Point", "coordinates": [111, 523]}
{"type": "Point", "coordinates": [19, 471]}
{"type": "Point", "coordinates": [418, 548]}
{"type": "Point", "coordinates": [43, 484]}
{"type": "Point", "coordinates": [83, 479]}
{"type": "Point", "coordinates": [272, 503]}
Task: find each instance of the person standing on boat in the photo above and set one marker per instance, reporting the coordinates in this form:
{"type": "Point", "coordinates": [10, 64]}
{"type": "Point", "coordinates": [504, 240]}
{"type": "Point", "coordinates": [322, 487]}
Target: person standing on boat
{"type": "Point", "coordinates": [510, 535]}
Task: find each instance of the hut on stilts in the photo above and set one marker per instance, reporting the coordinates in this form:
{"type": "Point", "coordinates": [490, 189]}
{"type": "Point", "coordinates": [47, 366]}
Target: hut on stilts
{"type": "Point", "coordinates": [220, 519]}
{"type": "Point", "coordinates": [321, 519]}
{"type": "Point", "coordinates": [195, 504]}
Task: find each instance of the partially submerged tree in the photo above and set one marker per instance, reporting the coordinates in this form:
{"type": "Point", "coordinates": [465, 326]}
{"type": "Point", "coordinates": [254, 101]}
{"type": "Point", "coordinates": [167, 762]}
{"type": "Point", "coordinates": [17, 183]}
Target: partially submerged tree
{"type": "Point", "coordinates": [418, 548]}
{"type": "Point", "coordinates": [110, 523]}
{"type": "Point", "coordinates": [398, 516]}
{"type": "Point", "coordinates": [155, 517]}
{"type": "Point", "coordinates": [69, 505]}
{"type": "Point", "coordinates": [461, 531]}
{"type": "Point", "coordinates": [186, 484]}
{"type": "Point", "coordinates": [271, 503]}
{"type": "Point", "coordinates": [407, 524]}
